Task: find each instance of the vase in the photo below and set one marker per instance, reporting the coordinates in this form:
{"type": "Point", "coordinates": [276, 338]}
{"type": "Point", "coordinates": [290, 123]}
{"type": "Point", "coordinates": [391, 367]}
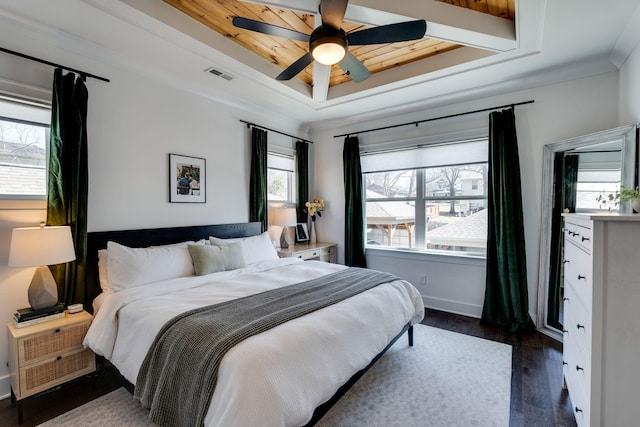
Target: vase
{"type": "Point", "coordinates": [312, 233]}
{"type": "Point", "coordinates": [636, 204]}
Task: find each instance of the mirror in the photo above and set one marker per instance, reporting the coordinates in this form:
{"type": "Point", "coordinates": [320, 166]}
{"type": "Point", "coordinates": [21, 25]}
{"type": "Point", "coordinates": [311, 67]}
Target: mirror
{"type": "Point", "coordinates": [596, 163]}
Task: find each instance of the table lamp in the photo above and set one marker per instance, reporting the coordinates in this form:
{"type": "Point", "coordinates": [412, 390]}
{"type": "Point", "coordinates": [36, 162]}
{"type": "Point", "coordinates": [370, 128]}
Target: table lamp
{"type": "Point", "coordinates": [40, 247]}
{"type": "Point", "coordinates": [285, 217]}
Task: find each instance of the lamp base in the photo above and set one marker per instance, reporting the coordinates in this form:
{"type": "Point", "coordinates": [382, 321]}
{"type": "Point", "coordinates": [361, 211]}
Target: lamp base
{"type": "Point", "coordinates": [43, 290]}
{"type": "Point", "coordinates": [284, 237]}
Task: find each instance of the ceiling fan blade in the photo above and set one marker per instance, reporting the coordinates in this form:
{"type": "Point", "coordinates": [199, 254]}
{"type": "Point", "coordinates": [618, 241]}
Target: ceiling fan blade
{"type": "Point", "coordinates": [355, 69]}
{"type": "Point", "coordinates": [332, 12]}
{"type": "Point", "coordinates": [292, 70]}
{"type": "Point", "coordinates": [400, 32]}
{"type": "Point", "coordinates": [272, 30]}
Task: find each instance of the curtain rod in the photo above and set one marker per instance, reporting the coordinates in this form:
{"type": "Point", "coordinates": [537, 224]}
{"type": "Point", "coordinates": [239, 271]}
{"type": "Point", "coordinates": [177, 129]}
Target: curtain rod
{"type": "Point", "coordinates": [83, 74]}
{"type": "Point", "coordinates": [249, 124]}
{"type": "Point", "coordinates": [433, 119]}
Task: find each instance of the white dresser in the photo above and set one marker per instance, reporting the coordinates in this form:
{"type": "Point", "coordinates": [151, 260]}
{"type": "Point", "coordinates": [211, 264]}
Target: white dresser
{"type": "Point", "coordinates": [602, 318]}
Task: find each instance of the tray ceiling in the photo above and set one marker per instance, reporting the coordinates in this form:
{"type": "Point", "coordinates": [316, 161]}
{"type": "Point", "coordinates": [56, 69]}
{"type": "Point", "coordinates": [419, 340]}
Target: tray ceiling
{"type": "Point", "coordinates": [218, 14]}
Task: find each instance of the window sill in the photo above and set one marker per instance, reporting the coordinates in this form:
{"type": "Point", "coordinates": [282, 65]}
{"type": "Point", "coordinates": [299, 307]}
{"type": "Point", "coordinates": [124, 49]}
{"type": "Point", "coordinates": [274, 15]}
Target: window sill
{"type": "Point", "coordinates": [22, 204]}
{"type": "Point", "coordinates": [431, 255]}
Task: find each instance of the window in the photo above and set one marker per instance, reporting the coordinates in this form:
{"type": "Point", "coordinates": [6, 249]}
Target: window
{"type": "Point", "coordinates": [280, 178]}
{"type": "Point", "coordinates": [440, 205]}
{"type": "Point", "coordinates": [23, 152]}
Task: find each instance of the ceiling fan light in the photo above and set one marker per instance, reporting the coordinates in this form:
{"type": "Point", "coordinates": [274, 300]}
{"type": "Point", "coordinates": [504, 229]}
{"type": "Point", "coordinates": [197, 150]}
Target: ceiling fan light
{"type": "Point", "coordinates": [329, 53]}
{"type": "Point", "coordinates": [328, 45]}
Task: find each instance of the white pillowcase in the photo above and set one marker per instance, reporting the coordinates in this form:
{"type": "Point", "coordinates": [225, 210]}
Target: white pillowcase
{"type": "Point", "coordinates": [102, 270]}
{"type": "Point", "coordinates": [253, 249]}
{"type": "Point", "coordinates": [129, 267]}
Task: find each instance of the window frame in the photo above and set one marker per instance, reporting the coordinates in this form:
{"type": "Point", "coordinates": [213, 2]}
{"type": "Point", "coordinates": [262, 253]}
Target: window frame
{"type": "Point", "coordinates": [291, 179]}
{"type": "Point", "coordinates": [28, 201]}
{"type": "Point", "coordinates": [420, 200]}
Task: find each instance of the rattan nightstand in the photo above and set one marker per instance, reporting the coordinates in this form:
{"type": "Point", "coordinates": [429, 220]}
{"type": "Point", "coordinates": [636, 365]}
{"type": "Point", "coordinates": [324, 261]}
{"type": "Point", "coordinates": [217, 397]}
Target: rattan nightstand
{"type": "Point", "coordinates": [48, 354]}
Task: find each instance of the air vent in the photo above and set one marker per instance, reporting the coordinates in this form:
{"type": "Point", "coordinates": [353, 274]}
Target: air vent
{"type": "Point", "coordinates": [219, 73]}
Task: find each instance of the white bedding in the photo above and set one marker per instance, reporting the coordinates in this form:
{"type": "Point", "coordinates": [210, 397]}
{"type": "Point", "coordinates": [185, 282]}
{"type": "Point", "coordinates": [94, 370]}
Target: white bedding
{"type": "Point", "coordinates": [265, 380]}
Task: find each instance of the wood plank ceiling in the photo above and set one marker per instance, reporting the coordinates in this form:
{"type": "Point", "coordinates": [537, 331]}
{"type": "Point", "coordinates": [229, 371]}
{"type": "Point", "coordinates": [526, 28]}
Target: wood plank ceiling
{"type": "Point", "coordinates": [218, 14]}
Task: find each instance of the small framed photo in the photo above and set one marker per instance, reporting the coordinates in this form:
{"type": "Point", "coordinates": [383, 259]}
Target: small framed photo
{"type": "Point", "coordinates": [302, 234]}
{"type": "Point", "coordinates": [187, 182]}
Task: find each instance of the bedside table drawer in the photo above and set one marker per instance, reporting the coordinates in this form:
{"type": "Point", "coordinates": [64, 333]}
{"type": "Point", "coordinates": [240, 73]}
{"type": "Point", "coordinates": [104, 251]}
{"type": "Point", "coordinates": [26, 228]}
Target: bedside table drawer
{"type": "Point", "coordinates": [41, 376]}
{"type": "Point", "coordinates": [314, 254]}
{"type": "Point", "coordinates": [51, 342]}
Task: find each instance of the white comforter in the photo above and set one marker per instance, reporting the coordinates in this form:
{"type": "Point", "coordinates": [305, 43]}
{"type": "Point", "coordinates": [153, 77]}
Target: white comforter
{"type": "Point", "coordinates": [276, 378]}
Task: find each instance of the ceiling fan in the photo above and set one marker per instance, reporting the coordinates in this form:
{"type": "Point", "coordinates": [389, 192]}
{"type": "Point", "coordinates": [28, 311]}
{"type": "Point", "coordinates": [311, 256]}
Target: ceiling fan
{"type": "Point", "coordinates": [329, 43]}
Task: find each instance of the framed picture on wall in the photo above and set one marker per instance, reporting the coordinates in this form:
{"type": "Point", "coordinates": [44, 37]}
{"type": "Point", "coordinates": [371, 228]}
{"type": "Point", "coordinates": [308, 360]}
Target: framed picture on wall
{"type": "Point", "coordinates": [302, 233]}
{"type": "Point", "coordinates": [187, 182]}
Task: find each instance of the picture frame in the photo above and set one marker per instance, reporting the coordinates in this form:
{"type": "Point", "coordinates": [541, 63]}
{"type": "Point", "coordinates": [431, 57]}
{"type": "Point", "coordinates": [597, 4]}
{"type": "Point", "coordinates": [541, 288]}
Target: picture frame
{"type": "Point", "coordinates": [187, 179]}
{"type": "Point", "coordinates": [302, 233]}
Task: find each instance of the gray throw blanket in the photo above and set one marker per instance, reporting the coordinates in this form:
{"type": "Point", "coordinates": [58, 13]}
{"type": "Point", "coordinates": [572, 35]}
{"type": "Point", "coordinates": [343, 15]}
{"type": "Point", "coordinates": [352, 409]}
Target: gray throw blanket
{"type": "Point", "coordinates": [178, 375]}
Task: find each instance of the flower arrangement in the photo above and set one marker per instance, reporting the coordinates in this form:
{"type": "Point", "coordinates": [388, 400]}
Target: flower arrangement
{"type": "Point", "coordinates": [314, 208]}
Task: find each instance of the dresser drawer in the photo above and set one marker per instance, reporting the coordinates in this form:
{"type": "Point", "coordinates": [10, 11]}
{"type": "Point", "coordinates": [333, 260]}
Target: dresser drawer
{"type": "Point", "coordinates": [579, 231]}
{"type": "Point", "coordinates": [45, 374]}
{"type": "Point", "coordinates": [329, 254]}
{"type": "Point", "coordinates": [577, 319]}
{"type": "Point", "coordinates": [310, 254]}
{"type": "Point", "coordinates": [40, 346]}
{"type": "Point", "coordinates": [578, 272]}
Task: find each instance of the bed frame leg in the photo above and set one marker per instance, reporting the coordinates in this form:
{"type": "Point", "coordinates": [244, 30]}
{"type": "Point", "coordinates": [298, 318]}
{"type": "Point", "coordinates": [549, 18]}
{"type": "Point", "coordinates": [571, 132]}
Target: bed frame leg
{"type": "Point", "coordinates": [410, 335]}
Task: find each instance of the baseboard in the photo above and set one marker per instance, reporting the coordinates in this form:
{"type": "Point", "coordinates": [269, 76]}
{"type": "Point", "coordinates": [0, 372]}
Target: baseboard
{"type": "Point", "coordinates": [5, 387]}
{"type": "Point", "coordinates": [455, 307]}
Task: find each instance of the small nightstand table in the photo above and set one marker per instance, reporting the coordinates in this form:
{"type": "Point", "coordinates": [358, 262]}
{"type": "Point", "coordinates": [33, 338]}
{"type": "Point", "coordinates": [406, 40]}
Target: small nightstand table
{"type": "Point", "coordinates": [48, 354]}
{"type": "Point", "coordinates": [327, 252]}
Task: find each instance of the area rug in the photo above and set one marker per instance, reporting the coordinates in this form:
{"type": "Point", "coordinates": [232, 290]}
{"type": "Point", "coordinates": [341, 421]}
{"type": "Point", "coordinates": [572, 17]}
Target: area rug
{"type": "Point", "coordinates": [445, 379]}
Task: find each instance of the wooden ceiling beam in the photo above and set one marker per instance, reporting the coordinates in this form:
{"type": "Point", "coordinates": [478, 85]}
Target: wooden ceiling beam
{"type": "Point", "coordinates": [444, 21]}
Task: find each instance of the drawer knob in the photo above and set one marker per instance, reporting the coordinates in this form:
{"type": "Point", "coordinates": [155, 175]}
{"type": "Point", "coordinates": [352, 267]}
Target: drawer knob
{"type": "Point", "coordinates": [580, 276]}
{"type": "Point", "coordinates": [57, 330]}
{"type": "Point", "coordinates": [566, 261]}
{"type": "Point", "coordinates": [578, 409]}
{"type": "Point", "coordinates": [585, 238]}
{"type": "Point", "coordinates": [578, 368]}
{"type": "Point", "coordinates": [564, 363]}
{"type": "Point", "coordinates": [579, 326]}
{"type": "Point", "coordinates": [565, 331]}
{"type": "Point", "coordinates": [59, 357]}
{"type": "Point", "coordinates": [565, 299]}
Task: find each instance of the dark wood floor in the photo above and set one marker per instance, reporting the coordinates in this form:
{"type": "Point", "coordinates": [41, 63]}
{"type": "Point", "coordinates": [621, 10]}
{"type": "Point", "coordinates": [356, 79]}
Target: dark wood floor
{"type": "Point", "coordinates": [537, 397]}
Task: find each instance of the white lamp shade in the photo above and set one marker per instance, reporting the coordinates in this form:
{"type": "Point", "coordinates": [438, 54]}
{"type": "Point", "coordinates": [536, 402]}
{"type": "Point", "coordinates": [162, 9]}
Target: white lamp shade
{"type": "Point", "coordinates": [285, 217]}
{"type": "Point", "coordinates": [38, 246]}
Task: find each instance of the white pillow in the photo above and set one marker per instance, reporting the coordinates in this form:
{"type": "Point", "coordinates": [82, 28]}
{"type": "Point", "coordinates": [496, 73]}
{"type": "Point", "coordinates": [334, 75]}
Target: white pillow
{"type": "Point", "coordinates": [102, 270]}
{"type": "Point", "coordinates": [103, 259]}
{"type": "Point", "coordinates": [254, 249]}
{"type": "Point", "coordinates": [130, 267]}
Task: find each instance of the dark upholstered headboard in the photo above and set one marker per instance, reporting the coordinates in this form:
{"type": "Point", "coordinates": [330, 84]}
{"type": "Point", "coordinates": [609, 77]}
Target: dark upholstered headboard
{"type": "Point", "coordinates": [150, 237]}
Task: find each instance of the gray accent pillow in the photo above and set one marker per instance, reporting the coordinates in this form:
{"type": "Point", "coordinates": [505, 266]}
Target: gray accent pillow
{"type": "Point", "coordinates": [212, 259]}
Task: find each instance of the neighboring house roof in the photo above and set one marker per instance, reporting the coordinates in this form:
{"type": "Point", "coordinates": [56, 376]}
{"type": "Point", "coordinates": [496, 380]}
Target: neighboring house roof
{"type": "Point", "coordinates": [388, 212]}
{"type": "Point", "coordinates": [467, 231]}
{"type": "Point", "coordinates": [18, 179]}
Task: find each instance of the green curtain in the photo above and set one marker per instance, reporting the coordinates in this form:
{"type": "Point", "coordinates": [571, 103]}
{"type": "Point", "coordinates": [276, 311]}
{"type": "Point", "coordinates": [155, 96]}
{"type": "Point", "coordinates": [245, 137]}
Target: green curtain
{"type": "Point", "coordinates": [506, 295]}
{"type": "Point", "coordinates": [302, 179]}
{"type": "Point", "coordinates": [258, 178]}
{"type": "Point", "coordinates": [354, 214]}
{"type": "Point", "coordinates": [565, 183]}
{"type": "Point", "coordinates": [67, 181]}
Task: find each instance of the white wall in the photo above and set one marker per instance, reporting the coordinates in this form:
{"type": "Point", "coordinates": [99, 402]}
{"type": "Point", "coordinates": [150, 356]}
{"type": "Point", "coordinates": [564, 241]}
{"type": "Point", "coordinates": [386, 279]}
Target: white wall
{"type": "Point", "coordinates": [560, 111]}
{"type": "Point", "coordinates": [630, 89]}
{"type": "Point", "coordinates": [133, 124]}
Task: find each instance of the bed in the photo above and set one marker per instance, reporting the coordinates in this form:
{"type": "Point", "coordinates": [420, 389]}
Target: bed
{"type": "Point", "coordinates": [289, 375]}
